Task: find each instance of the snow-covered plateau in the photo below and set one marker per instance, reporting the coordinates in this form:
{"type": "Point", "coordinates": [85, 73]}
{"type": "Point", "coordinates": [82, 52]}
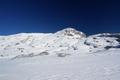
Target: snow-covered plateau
{"type": "Point", "coordinates": [65, 55]}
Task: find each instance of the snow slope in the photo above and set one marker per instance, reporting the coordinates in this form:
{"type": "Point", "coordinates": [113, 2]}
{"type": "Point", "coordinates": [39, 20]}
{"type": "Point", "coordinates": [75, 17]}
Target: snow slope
{"type": "Point", "coordinates": [97, 66]}
{"type": "Point", "coordinates": [65, 55]}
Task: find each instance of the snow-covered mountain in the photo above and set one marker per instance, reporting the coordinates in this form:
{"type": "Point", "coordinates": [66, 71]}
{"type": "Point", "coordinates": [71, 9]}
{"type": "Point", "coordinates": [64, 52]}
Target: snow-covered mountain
{"type": "Point", "coordinates": [65, 41]}
{"type": "Point", "coordinates": [65, 55]}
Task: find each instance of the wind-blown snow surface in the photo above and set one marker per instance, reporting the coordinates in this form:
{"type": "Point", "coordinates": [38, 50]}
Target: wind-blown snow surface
{"type": "Point", "coordinates": [65, 55]}
{"type": "Point", "coordinates": [97, 66]}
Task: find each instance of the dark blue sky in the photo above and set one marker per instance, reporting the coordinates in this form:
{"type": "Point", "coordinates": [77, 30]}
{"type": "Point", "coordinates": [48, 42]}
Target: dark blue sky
{"type": "Point", "coordinates": [89, 16]}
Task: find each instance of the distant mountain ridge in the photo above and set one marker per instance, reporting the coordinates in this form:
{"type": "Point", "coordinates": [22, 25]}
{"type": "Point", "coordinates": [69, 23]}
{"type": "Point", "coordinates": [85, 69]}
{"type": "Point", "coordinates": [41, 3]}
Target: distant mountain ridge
{"type": "Point", "coordinates": [64, 41]}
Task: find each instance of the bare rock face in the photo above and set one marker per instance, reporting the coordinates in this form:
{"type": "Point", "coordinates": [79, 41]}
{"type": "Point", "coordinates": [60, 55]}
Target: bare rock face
{"type": "Point", "coordinates": [71, 32]}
